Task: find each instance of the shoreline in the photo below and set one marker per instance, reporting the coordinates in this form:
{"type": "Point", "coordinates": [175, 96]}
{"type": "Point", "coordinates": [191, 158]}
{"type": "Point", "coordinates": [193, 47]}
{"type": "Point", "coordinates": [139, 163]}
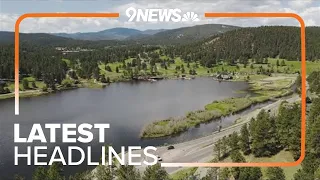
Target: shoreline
{"type": "Point", "coordinates": [84, 84]}
{"type": "Point", "coordinates": [217, 109]}
{"type": "Point", "coordinates": [211, 112]}
{"type": "Point", "coordinates": [33, 93]}
{"type": "Point", "coordinates": [215, 118]}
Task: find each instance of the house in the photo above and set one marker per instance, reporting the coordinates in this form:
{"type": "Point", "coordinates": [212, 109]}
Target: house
{"type": "Point", "coordinates": [224, 76]}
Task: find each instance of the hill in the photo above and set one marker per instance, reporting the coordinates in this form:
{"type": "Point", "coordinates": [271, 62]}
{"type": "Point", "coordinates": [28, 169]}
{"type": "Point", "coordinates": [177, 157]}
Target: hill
{"type": "Point", "coordinates": [37, 38]}
{"type": "Point", "coordinates": [44, 39]}
{"type": "Point", "coordinates": [183, 35]}
{"type": "Point", "coordinates": [154, 36]}
{"type": "Point", "coordinates": [187, 34]}
{"type": "Point", "coordinates": [253, 43]}
{"type": "Point", "coordinates": [110, 34]}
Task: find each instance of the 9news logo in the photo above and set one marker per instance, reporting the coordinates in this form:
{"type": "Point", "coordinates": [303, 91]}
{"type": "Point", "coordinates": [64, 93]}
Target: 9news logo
{"type": "Point", "coordinates": [160, 15]}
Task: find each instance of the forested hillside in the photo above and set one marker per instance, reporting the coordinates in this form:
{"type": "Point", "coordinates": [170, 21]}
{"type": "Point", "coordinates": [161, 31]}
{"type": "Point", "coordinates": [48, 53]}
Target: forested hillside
{"type": "Point", "coordinates": [108, 34]}
{"type": "Point", "coordinates": [51, 59]}
{"type": "Point", "coordinates": [186, 35]}
{"type": "Point", "coordinates": [43, 39]}
{"type": "Point", "coordinates": [254, 42]}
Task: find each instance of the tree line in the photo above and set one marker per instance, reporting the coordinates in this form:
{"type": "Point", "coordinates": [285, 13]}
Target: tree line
{"type": "Point", "coordinates": [40, 59]}
{"type": "Point", "coordinates": [264, 136]}
{"type": "Point", "coordinates": [267, 135]}
{"type": "Point", "coordinates": [311, 164]}
{"type": "Point", "coordinates": [252, 43]}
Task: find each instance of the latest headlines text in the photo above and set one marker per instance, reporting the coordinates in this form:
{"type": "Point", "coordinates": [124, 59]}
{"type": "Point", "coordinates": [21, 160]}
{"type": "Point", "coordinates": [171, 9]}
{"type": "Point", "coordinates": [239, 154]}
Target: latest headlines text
{"type": "Point", "coordinates": [72, 134]}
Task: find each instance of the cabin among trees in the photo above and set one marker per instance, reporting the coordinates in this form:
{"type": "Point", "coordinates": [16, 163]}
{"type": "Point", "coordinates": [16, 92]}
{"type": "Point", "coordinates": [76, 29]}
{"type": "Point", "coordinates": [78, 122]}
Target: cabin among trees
{"type": "Point", "coordinates": [224, 77]}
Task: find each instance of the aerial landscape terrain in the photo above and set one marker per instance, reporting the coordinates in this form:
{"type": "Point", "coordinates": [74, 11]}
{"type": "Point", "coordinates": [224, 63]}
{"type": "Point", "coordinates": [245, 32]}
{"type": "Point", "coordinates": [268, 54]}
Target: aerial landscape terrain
{"type": "Point", "coordinates": [205, 93]}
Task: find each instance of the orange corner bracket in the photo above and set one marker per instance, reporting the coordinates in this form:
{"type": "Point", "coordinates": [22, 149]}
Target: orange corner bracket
{"type": "Point", "coordinates": [303, 94]}
{"type": "Point", "coordinates": [207, 15]}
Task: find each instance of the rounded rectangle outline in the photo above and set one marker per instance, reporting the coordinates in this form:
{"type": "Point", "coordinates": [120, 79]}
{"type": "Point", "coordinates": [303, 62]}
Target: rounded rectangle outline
{"type": "Point", "coordinates": [303, 94]}
{"type": "Point", "coordinates": [207, 15]}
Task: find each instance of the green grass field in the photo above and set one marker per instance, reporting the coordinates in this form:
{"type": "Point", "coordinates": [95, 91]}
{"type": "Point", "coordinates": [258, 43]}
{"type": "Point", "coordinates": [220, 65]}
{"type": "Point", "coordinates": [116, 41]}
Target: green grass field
{"type": "Point", "coordinates": [113, 75]}
{"type": "Point", "coordinates": [290, 67]}
{"type": "Point", "coordinates": [169, 72]}
{"type": "Point", "coordinates": [183, 174]}
{"type": "Point", "coordinates": [229, 105]}
{"type": "Point", "coordinates": [282, 156]}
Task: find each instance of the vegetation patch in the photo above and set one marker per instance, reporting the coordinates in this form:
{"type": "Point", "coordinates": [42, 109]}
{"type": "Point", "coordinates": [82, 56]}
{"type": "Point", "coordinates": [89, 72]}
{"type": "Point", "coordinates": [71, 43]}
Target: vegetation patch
{"type": "Point", "coordinates": [230, 105]}
{"type": "Point", "coordinates": [173, 126]}
{"type": "Point", "coordinates": [212, 111]}
{"type": "Point", "coordinates": [183, 174]}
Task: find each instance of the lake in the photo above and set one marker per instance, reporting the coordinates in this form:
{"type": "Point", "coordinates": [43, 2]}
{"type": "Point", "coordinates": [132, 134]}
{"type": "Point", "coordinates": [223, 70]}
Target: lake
{"type": "Point", "coordinates": [127, 106]}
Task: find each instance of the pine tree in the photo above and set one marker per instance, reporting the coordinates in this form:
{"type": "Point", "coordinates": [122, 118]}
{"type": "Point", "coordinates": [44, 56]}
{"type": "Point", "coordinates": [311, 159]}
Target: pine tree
{"type": "Point", "coordinates": [298, 84]}
{"type": "Point", "coordinates": [103, 79]}
{"type": "Point", "coordinates": [217, 149]}
{"type": "Point", "coordinates": [275, 173]}
{"type": "Point", "coordinates": [310, 163]}
{"type": "Point", "coordinates": [25, 84]}
{"type": "Point", "coordinates": [126, 172]}
{"type": "Point", "coordinates": [104, 173]}
{"type": "Point", "coordinates": [225, 174]}
{"type": "Point", "coordinates": [18, 177]}
{"type": "Point", "coordinates": [182, 69]}
{"type": "Point", "coordinates": [212, 174]}
{"type": "Point", "coordinates": [233, 141]}
{"type": "Point", "coordinates": [40, 173]}
{"type": "Point", "coordinates": [289, 116]}
{"type": "Point", "coordinates": [315, 136]}
{"type": "Point", "coordinates": [224, 146]}
{"type": "Point", "coordinates": [264, 141]}
{"type": "Point", "coordinates": [34, 85]}
{"type": "Point", "coordinates": [155, 172]}
{"type": "Point", "coordinates": [302, 175]}
{"type": "Point", "coordinates": [86, 175]}
{"type": "Point", "coordinates": [55, 172]}
{"type": "Point", "coordinates": [317, 174]}
{"type": "Point", "coordinates": [236, 157]}
{"type": "Point", "coordinates": [314, 110]}
{"type": "Point", "coordinates": [252, 126]}
{"type": "Point", "coordinates": [245, 139]}
{"type": "Point", "coordinates": [250, 173]}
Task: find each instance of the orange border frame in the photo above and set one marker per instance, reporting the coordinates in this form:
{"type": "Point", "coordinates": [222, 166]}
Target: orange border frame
{"type": "Point", "coordinates": [208, 15]}
{"type": "Point", "coordinates": [303, 94]}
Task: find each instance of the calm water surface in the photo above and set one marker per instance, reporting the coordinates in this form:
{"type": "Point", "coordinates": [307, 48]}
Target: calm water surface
{"type": "Point", "coordinates": [126, 106]}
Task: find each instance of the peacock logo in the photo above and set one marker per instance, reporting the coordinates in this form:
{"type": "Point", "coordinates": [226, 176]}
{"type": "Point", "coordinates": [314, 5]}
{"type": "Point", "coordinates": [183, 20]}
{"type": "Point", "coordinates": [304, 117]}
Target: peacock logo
{"type": "Point", "coordinates": [190, 16]}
